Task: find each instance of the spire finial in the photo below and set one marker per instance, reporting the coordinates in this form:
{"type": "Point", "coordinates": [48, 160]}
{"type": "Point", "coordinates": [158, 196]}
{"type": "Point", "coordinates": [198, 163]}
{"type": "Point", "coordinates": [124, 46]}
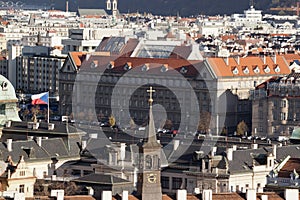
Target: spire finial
{"type": "Point", "coordinates": [151, 91]}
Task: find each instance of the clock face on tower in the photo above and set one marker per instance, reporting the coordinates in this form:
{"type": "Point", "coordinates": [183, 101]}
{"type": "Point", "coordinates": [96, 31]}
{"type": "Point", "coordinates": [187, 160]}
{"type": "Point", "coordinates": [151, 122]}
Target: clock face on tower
{"type": "Point", "coordinates": [151, 178]}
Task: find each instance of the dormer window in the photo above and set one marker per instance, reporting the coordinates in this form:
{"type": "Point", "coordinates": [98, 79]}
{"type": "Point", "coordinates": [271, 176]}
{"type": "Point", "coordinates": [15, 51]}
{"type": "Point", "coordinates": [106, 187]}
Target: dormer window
{"type": "Point", "coordinates": [183, 70]}
{"type": "Point", "coordinates": [256, 69]}
{"type": "Point", "coordinates": [127, 66]}
{"type": "Point", "coordinates": [245, 70]}
{"type": "Point", "coordinates": [164, 68]}
{"type": "Point", "coordinates": [94, 64]}
{"type": "Point", "coordinates": [145, 67]}
{"type": "Point", "coordinates": [111, 65]}
{"type": "Point", "coordinates": [277, 69]}
{"type": "Point", "coordinates": [267, 69]}
{"type": "Point", "coordinates": [235, 70]}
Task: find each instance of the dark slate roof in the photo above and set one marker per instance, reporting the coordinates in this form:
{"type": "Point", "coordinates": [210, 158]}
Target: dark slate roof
{"type": "Point", "coordinates": [118, 45]}
{"type": "Point", "coordinates": [243, 159]}
{"type": "Point", "coordinates": [185, 151]}
{"type": "Point", "coordinates": [31, 151]}
{"type": "Point", "coordinates": [101, 179]}
{"type": "Point", "coordinates": [97, 148]}
{"type": "Point", "coordinates": [55, 147]}
{"type": "Point", "coordinates": [60, 128]}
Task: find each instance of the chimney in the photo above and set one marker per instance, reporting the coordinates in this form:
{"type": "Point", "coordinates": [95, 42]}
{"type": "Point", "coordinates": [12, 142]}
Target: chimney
{"type": "Point", "coordinates": [123, 151]}
{"type": "Point", "coordinates": [9, 144]}
{"type": "Point", "coordinates": [29, 125]}
{"type": "Point", "coordinates": [251, 194]}
{"type": "Point", "coordinates": [181, 195]}
{"type": "Point", "coordinates": [176, 144]}
{"type": "Point", "coordinates": [53, 178]}
{"type": "Point", "coordinates": [229, 153]}
{"type": "Point", "coordinates": [238, 60]}
{"type": "Point", "coordinates": [197, 190]}
{"type": "Point", "coordinates": [291, 194]}
{"type": "Point", "coordinates": [274, 150]}
{"type": "Point", "coordinates": [29, 138]}
{"type": "Point", "coordinates": [213, 151]}
{"type": "Point", "coordinates": [234, 147]}
{"type": "Point", "coordinates": [254, 146]}
{"type": "Point", "coordinates": [50, 126]}
{"type": "Point", "coordinates": [83, 144]}
{"type": "Point", "coordinates": [260, 190]}
{"type": "Point", "coordinates": [264, 197]}
{"type": "Point", "coordinates": [8, 124]}
{"type": "Point", "coordinates": [125, 195]}
{"type": "Point", "coordinates": [35, 125]}
{"type": "Point", "coordinates": [39, 141]}
{"type": "Point", "coordinates": [207, 195]}
{"type": "Point", "coordinates": [106, 195]}
{"type": "Point", "coordinates": [59, 194]}
{"type": "Point", "coordinates": [265, 59]}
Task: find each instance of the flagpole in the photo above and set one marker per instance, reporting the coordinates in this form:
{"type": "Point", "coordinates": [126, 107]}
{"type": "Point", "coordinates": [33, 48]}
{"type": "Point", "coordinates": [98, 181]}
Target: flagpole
{"type": "Point", "coordinates": [48, 109]}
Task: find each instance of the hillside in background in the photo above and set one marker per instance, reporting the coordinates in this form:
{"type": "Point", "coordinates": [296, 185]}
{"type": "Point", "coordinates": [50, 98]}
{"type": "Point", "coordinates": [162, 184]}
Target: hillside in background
{"type": "Point", "coordinates": [171, 7]}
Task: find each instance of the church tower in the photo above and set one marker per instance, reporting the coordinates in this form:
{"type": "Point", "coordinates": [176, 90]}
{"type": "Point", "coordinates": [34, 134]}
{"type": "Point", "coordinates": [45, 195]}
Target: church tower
{"type": "Point", "coordinates": [149, 184]}
{"type": "Point", "coordinates": [113, 6]}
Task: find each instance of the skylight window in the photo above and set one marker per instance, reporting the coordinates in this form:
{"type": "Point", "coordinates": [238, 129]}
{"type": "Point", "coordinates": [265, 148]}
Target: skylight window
{"type": "Point", "coordinates": [94, 64]}
{"type": "Point", "coordinates": [164, 68]}
{"type": "Point", "coordinates": [183, 70]}
{"type": "Point", "coordinates": [145, 67]}
{"type": "Point", "coordinates": [111, 65]}
{"type": "Point", "coordinates": [127, 66]}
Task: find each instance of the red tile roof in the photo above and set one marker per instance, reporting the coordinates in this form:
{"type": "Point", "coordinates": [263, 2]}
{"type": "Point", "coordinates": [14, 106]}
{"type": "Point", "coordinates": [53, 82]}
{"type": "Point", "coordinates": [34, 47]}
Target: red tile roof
{"type": "Point", "coordinates": [223, 67]}
{"type": "Point", "coordinates": [227, 196]}
{"type": "Point", "coordinates": [291, 57]}
{"type": "Point", "coordinates": [288, 168]}
{"type": "Point", "coordinates": [79, 197]}
{"type": "Point", "coordinates": [228, 37]}
{"type": "Point", "coordinates": [77, 57]}
{"type": "Point", "coordinates": [155, 65]}
{"type": "Point", "coordinates": [271, 196]}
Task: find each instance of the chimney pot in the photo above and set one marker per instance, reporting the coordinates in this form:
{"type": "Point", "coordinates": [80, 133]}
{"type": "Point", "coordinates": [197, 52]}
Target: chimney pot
{"type": "Point", "coordinates": [9, 144]}
{"type": "Point", "coordinates": [39, 141]}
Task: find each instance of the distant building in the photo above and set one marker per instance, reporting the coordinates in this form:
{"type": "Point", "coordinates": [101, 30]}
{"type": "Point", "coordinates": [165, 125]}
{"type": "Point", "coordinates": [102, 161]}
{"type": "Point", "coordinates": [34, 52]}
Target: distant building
{"type": "Point", "coordinates": [276, 104]}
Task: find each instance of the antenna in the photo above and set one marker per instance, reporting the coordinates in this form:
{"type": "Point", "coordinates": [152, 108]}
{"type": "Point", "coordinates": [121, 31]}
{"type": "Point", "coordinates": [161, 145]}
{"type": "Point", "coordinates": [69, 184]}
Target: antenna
{"type": "Point", "coordinates": [67, 6]}
{"type": "Point", "coordinates": [252, 3]}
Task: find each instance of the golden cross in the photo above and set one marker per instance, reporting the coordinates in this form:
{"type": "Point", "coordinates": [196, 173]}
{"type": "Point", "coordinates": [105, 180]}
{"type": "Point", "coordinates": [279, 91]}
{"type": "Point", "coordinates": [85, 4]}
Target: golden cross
{"type": "Point", "coordinates": [151, 91]}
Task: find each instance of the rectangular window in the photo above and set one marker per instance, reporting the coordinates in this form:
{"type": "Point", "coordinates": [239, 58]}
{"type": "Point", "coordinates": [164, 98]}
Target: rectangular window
{"type": "Point", "coordinates": [282, 116]}
{"type": "Point", "coordinates": [165, 182]}
{"type": "Point", "coordinates": [237, 188]}
{"type": "Point", "coordinates": [283, 103]}
{"type": "Point", "coordinates": [176, 183]}
{"type": "Point", "coordinates": [21, 188]}
{"type": "Point", "coordinates": [2, 109]}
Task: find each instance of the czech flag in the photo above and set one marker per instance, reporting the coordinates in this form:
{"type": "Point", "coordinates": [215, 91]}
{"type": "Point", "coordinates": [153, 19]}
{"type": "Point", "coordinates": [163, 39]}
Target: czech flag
{"type": "Point", "coordinates": [41, 98]}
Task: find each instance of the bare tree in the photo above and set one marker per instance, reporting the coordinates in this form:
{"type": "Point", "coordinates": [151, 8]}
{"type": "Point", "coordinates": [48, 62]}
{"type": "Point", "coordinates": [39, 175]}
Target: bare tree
{"type": "Point", "coordinates": [204, 122]}
{"type": "Point", "coordinates": [241, 128]}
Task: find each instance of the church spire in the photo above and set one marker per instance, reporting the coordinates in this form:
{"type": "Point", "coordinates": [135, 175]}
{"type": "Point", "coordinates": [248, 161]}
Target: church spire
{"type": "Point", "coordinates": [151, 134]}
